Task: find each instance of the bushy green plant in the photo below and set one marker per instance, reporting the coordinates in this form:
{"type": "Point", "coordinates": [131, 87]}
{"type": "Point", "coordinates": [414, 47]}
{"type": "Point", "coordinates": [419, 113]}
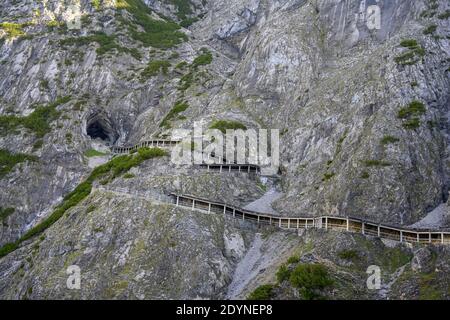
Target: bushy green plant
{"type": "Point", "coordinates": [224, 125]}
{"type": "Point", "coordinates": [309, 279]}
{"type": "Point", "coordinates": [9, 160]}
{"type": "Point", "coordinates": [283, 273]}
{"type": "Point", "coordinates": [13, 29]}
{"type": "Point", "coordinates": [5, 213]}
{"type": "Point", "coordinates": [110, 170]}
{"type": "Point", "coordinates": [38, 121]}
{"type": "Point", "coordinates": [179, 107]}
{"type": "Point", "coordinates": [415, 108]}
{"type": "Point", "coordinates": [94, 153]}
{"type": "Point", "coordinates": [430, 29]}
{"type": "Point", "coordinates": [413, 55]}
{"type": "Point", "coordinates": [348, 254]}
{"type": "Point", "coordinates": [376, 163]}
{"type": "Point", "coordinates": [411, 114]}
{"type": "Point", "coordinates": [204, 59]}
{"type": "Point", "coordinates": [293, 259]}
{"type": "Point", "coordinates": [389, 140]}
{"type": "Point", "coordinates": [157, 33]}
{"type": "Point", "coordinates": [155, 67]}
{"type": "Point", "coordinates": [264, 292]}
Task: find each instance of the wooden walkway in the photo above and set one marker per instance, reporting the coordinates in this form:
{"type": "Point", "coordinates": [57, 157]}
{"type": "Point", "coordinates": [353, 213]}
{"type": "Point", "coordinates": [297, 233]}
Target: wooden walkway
{"type": "Point", "coordinates": [222, 166]}
{"type": "Point", "coordinates": [347, 224]}
{"type": "Point", "coordinates": [155, 143]}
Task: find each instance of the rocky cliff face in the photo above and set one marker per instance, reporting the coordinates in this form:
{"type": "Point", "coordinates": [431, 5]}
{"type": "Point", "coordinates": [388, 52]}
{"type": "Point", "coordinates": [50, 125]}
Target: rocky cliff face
{"type": "Point", "coordinates": [361, 103]}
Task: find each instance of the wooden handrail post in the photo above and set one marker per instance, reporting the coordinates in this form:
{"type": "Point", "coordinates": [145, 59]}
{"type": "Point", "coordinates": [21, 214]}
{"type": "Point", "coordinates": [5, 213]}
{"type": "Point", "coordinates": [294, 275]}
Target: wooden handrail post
{"type": "Point", "coordinates": [348, 225]}
{"type": "Point", "coordinates": [442, 238]}
{"type": "Point", "coordinates": [224, 210]}
{"type": "Point", "coordinates": [289, 223]}
{"type": "Point", "coordinates": [209, 207]}
{"type": "Point", "coordinates": [326, 223]}
{"type": "Point", "coordinates": [363, 229]}
{"type": "Point", "coordinates": [379, 231]}
{"type": "Point", "coordinates": [430, 237]}
{"type": "Point", "coordinates": [401, 236]}
{"type": "Point", "coordinates": [178, 200]}
{"type": "Point", "coordinates": [193, 204]}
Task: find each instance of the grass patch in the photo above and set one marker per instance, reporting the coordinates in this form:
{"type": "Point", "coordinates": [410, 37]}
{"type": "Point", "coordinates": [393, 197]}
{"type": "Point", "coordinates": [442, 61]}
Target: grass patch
{"type": "Point", "coordinates": [94, 153]}
{"type": "Point", "coordinates": [108, 172]}
{"type": "Point", "coordinates": [38, 121]}
{"type": "Point", "coordinates": [179, 107]}
{"type": "Point", "coordinates": [9, 160]}
{"type": "Point", "coordinates": [309, 279]}
{"type": "Point", "coordinates": [411, 114]}
{"type": "Point", "coordinates": [328, 176]}
{"type": "Point", "coordinates": [156, 67]}
{"type": "Point", "coordinates": [293, 259]}
{"type": "Point", "coordinates": [264, 292]}
{"type": "Point", "coordinates": [106, 44]}
{"type": "Point", "coordinates": [5, 213]}
{"type": "Point", "coordinates": [376, 163]}
{"type": "Point", "coordinates": [13, 30]}
{"type": "Point", "coordinates": [430, 29]}
{"type": "Point", "coordinates": [413, 55]}
{"type": "Point", "coordinates": [445, 15]}
{"type": "Point", "coordinates": [415, 108]}
{"type": "Point", "coordinates": [283, 273]}
{"type": "Point", "coordinates": [389, 140]}
{"type": "Point", "coordinates": [204, 59]}
{"type": "Point", "coordinates": [348, 255]}
{"type": "Point", "coordinates": [157, 33]}
{"type": "Point", "coordinates": [224, 125]}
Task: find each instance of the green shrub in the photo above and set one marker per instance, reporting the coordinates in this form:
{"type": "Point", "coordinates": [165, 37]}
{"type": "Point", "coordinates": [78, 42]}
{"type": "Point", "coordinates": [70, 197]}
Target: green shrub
{"type": "Point", "coordinates": [416, 51]}
{"type": "Point", "coordinates": [411, 114]}
{"type": "Point", "coordinates": [389, 140]}
{"type": "Point", "coordinates": [376, 163]}
{"type": "Point", "coordinates": [186, 81]}
{"type": "Point", "coordinates": [430, 29]}
{"type": "Point", "coordinates": [38, 121]}
{"type": "Point", "coordinates": [12, 29]}
{"type": "Point", "coordinates": [293, 259]}
{"type": "Point", "coordinates": [179, 107]}
{"type": "Point", "coordinates": [415, 108]}
{"type": "Point", "coordinates": [109, 171]}
{"type": "Point", "coordinates": [309, 279]}
{"type": "Point", "coordinates": [224, 125]}
{"type": "Point", "coordinates": [328, 176]}
{"type": "Point", "coordinates": [106, 44]}
{"type": "Point", "coordinates": [445, 15]}
{"type": "Point", "coordinates": [203, 59]}
{"type": "Point", "coordinates": [157, 33]}
{"type": "Point", "coordinates": [94, 153]}
{"type": "Point", "coordinates": [348, 254]}
{"type": "Point", "coordinates": [9, 160]}
{"type": "Point", "coordinates": [264, 292]}
{"type": "Point", "coordinates": [411, 124]}
{"type": "Point", "coordinates": [5, 213]}
{"type": "Point", "coordinates": [409, 43]}
{"type": "Point", "coordinates": [96, 4]}
{"type": "Point", "coordinates": [155, 67]}
{"type": "Point", "coordinates": [283, 273]}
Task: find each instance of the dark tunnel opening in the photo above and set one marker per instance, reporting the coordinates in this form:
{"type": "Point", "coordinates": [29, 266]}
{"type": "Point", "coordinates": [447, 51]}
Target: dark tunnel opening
{"type": "Point", "coordinates": [99, 127]}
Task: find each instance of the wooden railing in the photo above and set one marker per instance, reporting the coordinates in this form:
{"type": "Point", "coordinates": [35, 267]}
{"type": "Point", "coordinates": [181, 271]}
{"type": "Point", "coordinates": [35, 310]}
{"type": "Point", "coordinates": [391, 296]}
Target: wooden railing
{"type": "Point", "coordinates": [222, 165]}
{"type": "Point", "coordinates": [347, 224]}
{"type": "Point", "coordinates": [155, 143]}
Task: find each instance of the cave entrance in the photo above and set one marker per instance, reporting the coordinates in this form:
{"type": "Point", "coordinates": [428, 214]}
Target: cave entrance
{"type": "Point", "coordinates": [99, 127]}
